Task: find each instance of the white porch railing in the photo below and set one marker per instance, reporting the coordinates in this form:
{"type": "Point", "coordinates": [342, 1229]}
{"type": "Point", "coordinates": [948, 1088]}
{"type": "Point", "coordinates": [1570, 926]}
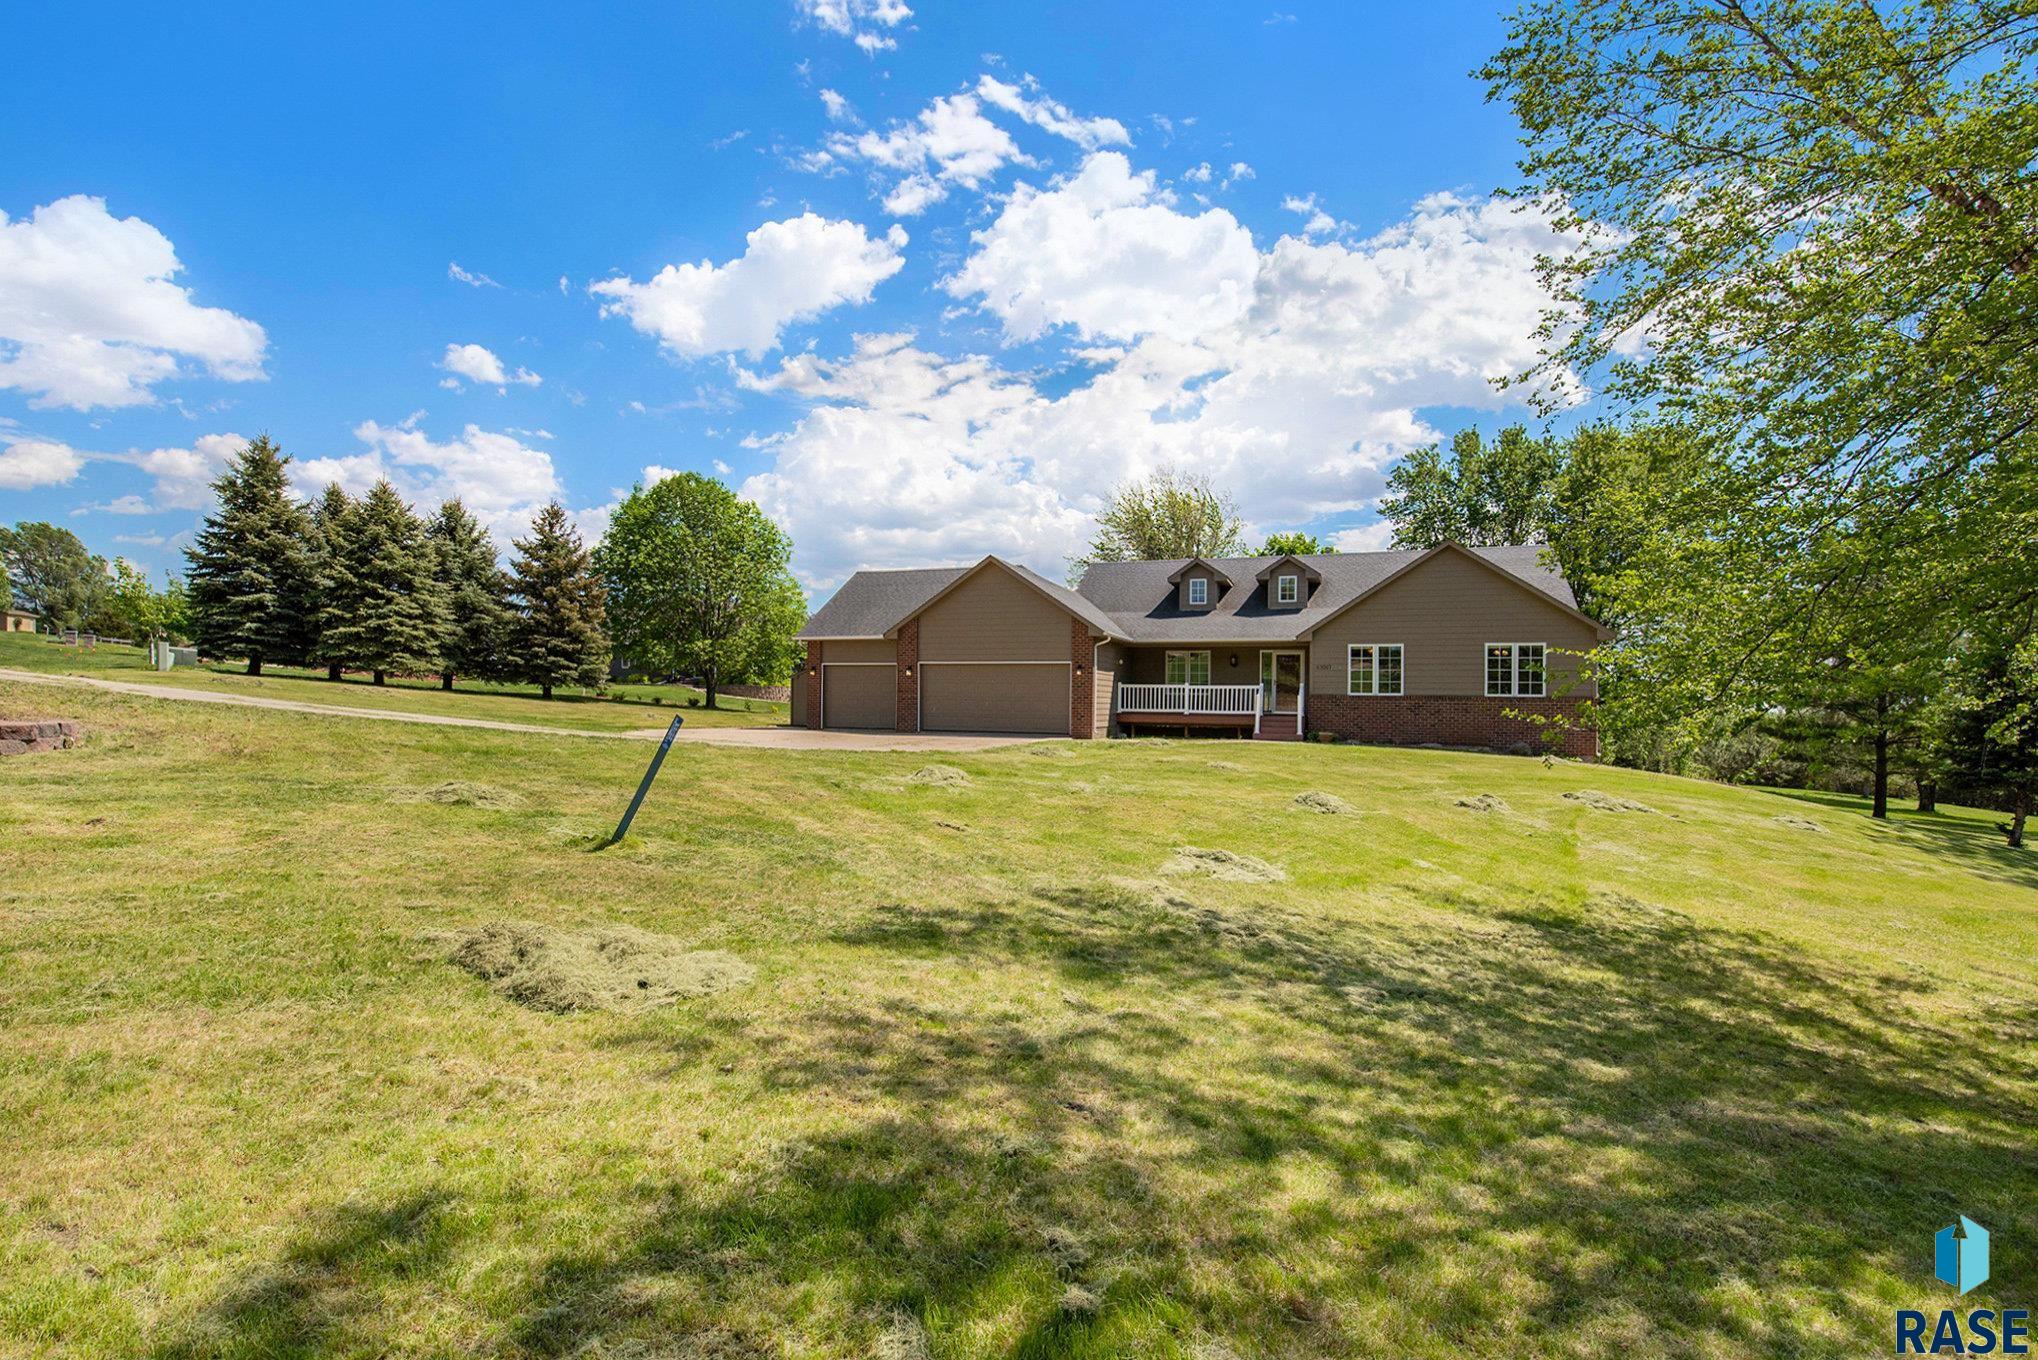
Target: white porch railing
{"type": "Point", "coordinates": [1231, 700]}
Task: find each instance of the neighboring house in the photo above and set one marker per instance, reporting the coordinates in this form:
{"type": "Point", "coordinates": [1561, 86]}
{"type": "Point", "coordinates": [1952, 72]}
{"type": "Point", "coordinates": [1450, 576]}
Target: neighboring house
{"type": "Point", "coordinates": [1410, 647]}
{"type": "Point", "coordinates": [17, 621]}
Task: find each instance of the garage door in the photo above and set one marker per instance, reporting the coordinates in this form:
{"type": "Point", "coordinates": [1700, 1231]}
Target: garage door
{"type": "Point", "coordinates": [859, 696]}
{"type": "Point", "coordinates": [995, 698]}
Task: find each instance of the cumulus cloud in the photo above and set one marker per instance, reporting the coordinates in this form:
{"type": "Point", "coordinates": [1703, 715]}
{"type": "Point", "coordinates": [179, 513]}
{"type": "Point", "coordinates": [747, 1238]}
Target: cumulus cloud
{"type": "Point", "coordinates": [91, 315]}
{"type": "Point", "coordinates": [478, 364]}
{"type": "Point", "coordinates": [29, 463]}
{"type": "Point", "coordinates": [789, 271]}
{"type": "Point", "coordinates": [1293, 374]}
{"type": "Point", "coordinates": [1317, 222]}
{"type": "Point", "coordinates": [1105, 253]}
{"type": "Point", "coordinates": [182, 477]}
{"type": "Point", "coordinates": [839, 109]}
{"type": "Point", "coordinates": [858, 20]}
{"type": "Point", "coordinates": [951, 144]}
{"type": "Point", "coordinates": [502, 480]}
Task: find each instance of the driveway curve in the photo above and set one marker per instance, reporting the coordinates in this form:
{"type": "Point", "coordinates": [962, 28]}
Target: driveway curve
{"type": "Point", "coordinates": [766, 738]}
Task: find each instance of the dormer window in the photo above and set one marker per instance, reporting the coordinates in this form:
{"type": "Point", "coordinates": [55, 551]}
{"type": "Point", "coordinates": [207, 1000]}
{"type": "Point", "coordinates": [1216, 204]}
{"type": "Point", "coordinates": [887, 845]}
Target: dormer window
{"type": "Point", "coordinates": [1199, 590]}
{"type": "Point", "coordinates": [1287, 589]}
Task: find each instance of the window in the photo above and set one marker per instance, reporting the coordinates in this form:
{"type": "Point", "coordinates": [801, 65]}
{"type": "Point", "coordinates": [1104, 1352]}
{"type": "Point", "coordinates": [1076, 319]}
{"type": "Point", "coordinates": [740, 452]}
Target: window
{"type": "Point", "coordinates": [1515, 668]}
{"type": "Point", "coordinates": [1188, 668]}
{"type": "Point", "coordinates": [1199, 590]}
{"type": "Point", "coordinates": [1287, 589]}
{"type": "Point", "coordinates": [1374, 668]}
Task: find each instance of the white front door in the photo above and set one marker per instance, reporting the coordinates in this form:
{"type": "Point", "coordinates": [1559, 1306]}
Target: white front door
{"type": "Point", "coordinates": [1280, 681]}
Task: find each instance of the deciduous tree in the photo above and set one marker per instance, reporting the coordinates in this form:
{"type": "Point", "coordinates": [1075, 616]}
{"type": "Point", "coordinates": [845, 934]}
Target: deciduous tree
{"type": "Point", "coordinates": [698, 582]}
{"type": "Point", "coordinates": [1170, 514]}
{"type": "Point", "coordinates": [50, 574]}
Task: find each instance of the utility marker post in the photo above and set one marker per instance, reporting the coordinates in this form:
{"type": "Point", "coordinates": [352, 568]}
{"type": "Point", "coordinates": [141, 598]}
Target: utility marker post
{"type": "Point", "coordinates": [657, 759]}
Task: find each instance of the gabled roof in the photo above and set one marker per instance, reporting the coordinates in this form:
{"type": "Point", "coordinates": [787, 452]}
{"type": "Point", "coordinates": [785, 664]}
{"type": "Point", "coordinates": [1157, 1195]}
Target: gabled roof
{"type": "Point", "coordinates": [1136, 601]}
{"type": "Point", "coordinates": [1204, 562]}
{"type": "Point", "coordinates": [872, 604]}
{"type": "Point", "coordinates": [1301, 566]}
{"type": "Point", "coordinates": [1140, 599]}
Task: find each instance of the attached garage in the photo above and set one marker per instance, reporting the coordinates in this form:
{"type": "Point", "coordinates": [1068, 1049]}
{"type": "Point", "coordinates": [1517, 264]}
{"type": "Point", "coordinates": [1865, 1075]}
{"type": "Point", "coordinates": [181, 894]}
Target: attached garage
{"type": "Point", "coordinates": [860, 694]}
{"type": "Point", "coordinates": [1029, 699]}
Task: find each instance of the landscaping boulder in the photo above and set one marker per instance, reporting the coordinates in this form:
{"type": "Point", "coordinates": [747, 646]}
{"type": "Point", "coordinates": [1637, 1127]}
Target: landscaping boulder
{"type": "Point", "coordinates": [20, 737]}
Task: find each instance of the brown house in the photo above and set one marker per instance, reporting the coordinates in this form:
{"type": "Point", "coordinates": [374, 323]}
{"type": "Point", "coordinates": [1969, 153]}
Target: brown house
{"type": "Point", "coordinates": [1449, 645]}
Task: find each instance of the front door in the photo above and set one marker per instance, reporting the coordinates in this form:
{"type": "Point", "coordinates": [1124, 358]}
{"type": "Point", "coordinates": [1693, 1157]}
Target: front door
{"type": "Point", "coordinates": [1280, 681]}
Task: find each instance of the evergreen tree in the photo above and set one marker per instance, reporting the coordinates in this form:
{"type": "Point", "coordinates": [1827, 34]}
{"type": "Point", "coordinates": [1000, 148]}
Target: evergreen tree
{"type": "Point", "coordinates": [330, 526]}
{"type": "Point", "coordinates": [561, 627]}
{"type": "Point", "coordinates": [250, 573]}
{"type": "Point", "coordinates": [477, 616]}
{"type": "Point", "coordinates": [386, 609]}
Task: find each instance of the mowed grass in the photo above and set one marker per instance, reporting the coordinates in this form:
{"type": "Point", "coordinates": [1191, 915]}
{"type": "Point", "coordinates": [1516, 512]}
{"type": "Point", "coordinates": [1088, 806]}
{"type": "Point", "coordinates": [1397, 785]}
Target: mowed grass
{"type": "Point", "coordinates": [626, 707]}
{"type": "Point", "coordinates": [1552, 1081]}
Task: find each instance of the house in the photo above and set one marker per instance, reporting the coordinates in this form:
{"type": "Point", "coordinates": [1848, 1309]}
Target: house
{"type": "Point", "coordinates": [1439, 646]}
{"type": "Point", "coordinates": [17, 621]}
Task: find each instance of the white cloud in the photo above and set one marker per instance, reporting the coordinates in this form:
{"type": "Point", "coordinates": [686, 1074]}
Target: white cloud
{"type": "Point", "coordinates": [90, 314]}
{"type": "Point", "coordinates": [789, 271]}
{"type": "Point", "coordinates": [1199, 174]}
{"type": "Point", "coordinates": [1319, 222]}
{"type": "Point", "coordinates": [1239, 171]}
{"type": "Point", "coordinates": [478, 364]}
{"type": "Point", "coordinates": [722, 469]}
{"type": "Point", "coordinates": [142, 540]}
{"type": "Point", "coordinates": [1375, 537]}
{"type": "Point", "coordinates": [858, 20]}
{"type": "Point", "coordinates": [471, 279]}
{"type": "Point", "coordinates": [1292, 374]}
{"type": "Point", "coordinates": [654, 473]}
{"type": "Point", "coordinates": [30, 463]}
{"type": "Point", "coordinates": [183, 477]}
{"type": "Point", "coordinates": [1103, 252]}
{"type": "Point", "coordinates": [839, 109]}
{"type": "Point", "coordinates": [502, 480]}
{"type": "Point", "coordinates": [1052, 116]}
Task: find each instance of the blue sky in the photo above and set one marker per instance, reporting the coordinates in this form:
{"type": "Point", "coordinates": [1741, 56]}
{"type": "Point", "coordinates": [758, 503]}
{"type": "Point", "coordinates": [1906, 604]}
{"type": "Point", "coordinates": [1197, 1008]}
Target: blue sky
{"type": "Point", "coordinates": [923, 278]}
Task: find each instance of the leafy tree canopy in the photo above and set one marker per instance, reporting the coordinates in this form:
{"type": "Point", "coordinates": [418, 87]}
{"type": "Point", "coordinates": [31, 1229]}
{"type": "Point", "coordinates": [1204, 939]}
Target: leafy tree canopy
{"type": "Point", "coordinates": [50, 574]}
{"type": "Point", "coordinates": [1297, 544]}
{"type": "Point", "coordinates": [1170, 514]}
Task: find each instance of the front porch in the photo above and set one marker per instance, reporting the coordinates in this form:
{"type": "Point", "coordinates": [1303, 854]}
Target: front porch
{"type": "Point", "coordinates": [1209, 691]}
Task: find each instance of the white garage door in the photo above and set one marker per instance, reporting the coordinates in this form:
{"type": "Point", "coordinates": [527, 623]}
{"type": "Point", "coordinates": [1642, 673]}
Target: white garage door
{"type": "Point", "coordinates": [1032, 700]}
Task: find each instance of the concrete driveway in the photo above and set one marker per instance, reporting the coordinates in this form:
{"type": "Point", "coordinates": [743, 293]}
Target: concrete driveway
{"type": "Point", "coordinates": [769, 738]}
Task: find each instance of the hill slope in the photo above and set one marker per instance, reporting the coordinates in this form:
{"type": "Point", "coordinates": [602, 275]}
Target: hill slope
{"type": "Point", "coordinates": [1561, 1077]}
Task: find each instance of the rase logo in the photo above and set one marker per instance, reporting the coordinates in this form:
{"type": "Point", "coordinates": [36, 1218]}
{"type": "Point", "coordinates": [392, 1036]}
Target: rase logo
{"type": "Point", "coordinates": [1960, 1259]}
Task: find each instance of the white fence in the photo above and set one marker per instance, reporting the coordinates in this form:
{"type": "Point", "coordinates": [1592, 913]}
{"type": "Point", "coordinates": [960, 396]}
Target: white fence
{"type": "Point", "coordinates": [1234, 700]}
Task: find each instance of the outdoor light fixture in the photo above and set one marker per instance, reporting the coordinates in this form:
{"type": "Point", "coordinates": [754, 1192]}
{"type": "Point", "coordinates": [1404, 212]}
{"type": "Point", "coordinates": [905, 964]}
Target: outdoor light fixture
{"type": "Point", "coordinates": [810, 670]}
{"type": "Point", "coordinates": [909, 672]}
{"type": "Point", "coordinates": [1234, 658]}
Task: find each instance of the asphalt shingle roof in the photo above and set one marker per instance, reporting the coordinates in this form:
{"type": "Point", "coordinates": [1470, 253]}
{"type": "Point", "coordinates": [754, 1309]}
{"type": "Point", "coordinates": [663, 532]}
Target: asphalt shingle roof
{"type": "Point", "coordinates": [1135, 602]}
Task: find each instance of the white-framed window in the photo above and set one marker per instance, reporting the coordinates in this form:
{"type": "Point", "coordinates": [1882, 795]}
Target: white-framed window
{"type": "Point", "coordinates": [1515, 668]}
{"type": "Point", "coordinates": [1188, 668]}
{"type": "Point", "coordinates": [1373, 668]}
{"type": "Point", "coordinates": [1199, 590]}
{"type": "Point", "coordinates": [1287, 589]}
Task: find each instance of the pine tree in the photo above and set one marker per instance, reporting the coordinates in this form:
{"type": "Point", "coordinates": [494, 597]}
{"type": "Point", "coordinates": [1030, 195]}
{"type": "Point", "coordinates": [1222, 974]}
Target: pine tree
{"type": "Point", "coordinates": [385, 610]}
{"type": "Point", "coordinates": [477, 614]}
{"type": "Point", "coordinates": [250, 571]}
{"type": "Point", "coordinates": [330, 525]}
{"type": "Point", "coordinates": [561, 629]}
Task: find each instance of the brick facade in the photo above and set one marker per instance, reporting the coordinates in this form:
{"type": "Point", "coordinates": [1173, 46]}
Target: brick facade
{"type": "Point", "coordinates": [909, 676]}
{"type": "Point", "coordinates": [1082, 685]}
{"type": "Point", "coordinates": [814, 684]}
{"type": "Point", "coordinates": [1449, 721]}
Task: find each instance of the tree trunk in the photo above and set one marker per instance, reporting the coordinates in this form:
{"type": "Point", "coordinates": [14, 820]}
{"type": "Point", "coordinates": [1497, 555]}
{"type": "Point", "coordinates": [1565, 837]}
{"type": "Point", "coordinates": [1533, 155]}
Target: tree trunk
{"type": "Point", "coordinates": [1928, 796]}
{"type": "Point", "coordinates": [709, 680]}
{"type": "Point", "coordinates": [381, 676]}
{"type": "Point", "coordinates": [333, 671]}
{"type": "Point", "coordinates": [254, 665]}
{"type": "Point", "coordinates": [545, 689]}
{"type": "Point", "coordinates": [446, 680]}
{"type": "Point", "coordinates": [1881, 810]}
{"type": "Point", "coordinates": [2018, 812]}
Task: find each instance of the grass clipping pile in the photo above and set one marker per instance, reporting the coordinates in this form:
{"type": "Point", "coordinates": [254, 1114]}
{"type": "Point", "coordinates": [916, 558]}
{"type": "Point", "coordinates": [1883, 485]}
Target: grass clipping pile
{"type": "Point", "coordinates": [610, 968]}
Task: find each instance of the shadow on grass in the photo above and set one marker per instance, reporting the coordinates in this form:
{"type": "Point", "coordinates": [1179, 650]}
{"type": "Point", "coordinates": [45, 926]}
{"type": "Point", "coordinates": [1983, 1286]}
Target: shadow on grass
{"type": "Point", "coordinates": [1969, 838]}
{"type": "Point", "coordinates": [329, 1293]}
{"type": "Point", "coordinates": [1593, 1130]}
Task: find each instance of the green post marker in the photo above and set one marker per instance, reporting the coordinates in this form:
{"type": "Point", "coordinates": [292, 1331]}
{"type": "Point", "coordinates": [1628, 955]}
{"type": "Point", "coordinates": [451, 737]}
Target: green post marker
{"type": "Point", "coordinates": [657, 759]}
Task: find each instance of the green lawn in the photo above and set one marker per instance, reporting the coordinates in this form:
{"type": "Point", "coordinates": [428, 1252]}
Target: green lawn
{"type": "Point", "coordinates": [624, 708]}
{"type": "Point", "coordinates": [1547, 1082]}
